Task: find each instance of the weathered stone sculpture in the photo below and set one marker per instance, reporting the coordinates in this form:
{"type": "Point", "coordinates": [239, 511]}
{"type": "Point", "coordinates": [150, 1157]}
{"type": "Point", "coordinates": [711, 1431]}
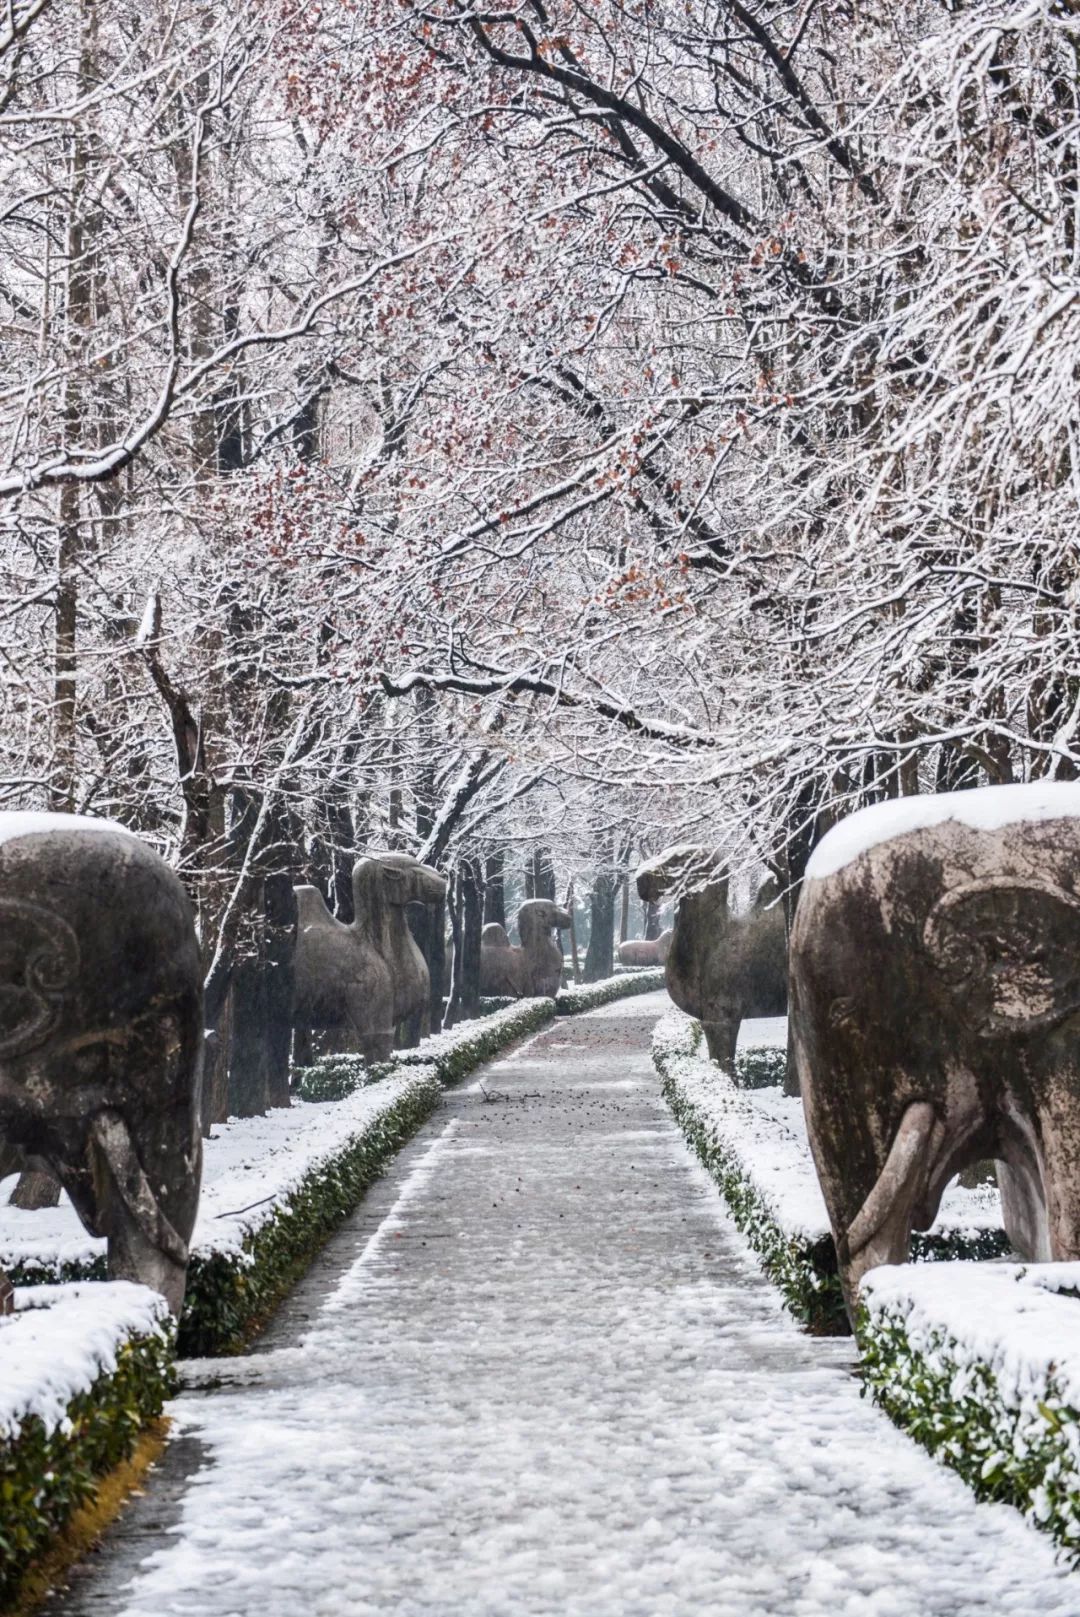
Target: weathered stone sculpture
{"type": "Point", "coordinates": [403, 880]}
{"type": "Point", "coordinates": [936, 1015]}
{"type": "Point", "coordinates": [533, 969]}
{"type": "Point", "coordinates": [101, 1027]}
{"type": "Point", "coordinates": [646, 951]}
{"type": "Point", "coordinates": [361, 980]}
{"type": "Point", "coordinates": [720, 967]}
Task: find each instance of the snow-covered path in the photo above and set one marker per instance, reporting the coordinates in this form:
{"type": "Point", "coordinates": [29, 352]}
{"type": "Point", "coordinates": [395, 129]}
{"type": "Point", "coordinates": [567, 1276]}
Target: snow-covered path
{"type": "Point", "coordinates": [540, 1374]}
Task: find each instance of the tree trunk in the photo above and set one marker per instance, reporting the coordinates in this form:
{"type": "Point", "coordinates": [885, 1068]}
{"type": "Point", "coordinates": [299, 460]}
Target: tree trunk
{"type": "Point", "coordinates": [624, 911]}
{"type": "Point", "coordinates": [600, 955]}
{"type": "Point", "coordinates": [495, 890]}
{"type": "Point", "coordinates": [7, 1295]}
{"type": "Point", "coordinates": [650, 921]}
{"type": "Point", "coordinates": [543, 875]}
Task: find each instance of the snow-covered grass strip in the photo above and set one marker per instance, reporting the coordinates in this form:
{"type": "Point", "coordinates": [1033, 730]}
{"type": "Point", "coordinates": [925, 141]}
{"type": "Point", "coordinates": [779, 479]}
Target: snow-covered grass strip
{"type": "Point", "coordinates": [83, 1369]}
{"type": "Point", "coordinates": [753, 1142]}
{"type": "Point", "coordinates": [587, 996]}
{"type": "Point", "coordinates": [293, 1177]}
{"type": "Point", "coordinates": [453, 1053]}
{"type": "Point", "coordinates": [980, 1363]}
{"type": "Point", "coordinates": [765, 1177]}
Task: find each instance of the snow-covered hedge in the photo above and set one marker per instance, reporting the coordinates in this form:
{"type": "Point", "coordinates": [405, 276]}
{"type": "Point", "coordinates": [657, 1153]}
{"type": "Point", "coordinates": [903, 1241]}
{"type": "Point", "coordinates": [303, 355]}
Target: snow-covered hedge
{"type": "Point", "coordinates": [83, 1369]}
{"type": "Point", "coordinates": [981, 1364]}
{"type": "Point", "coordinates": [453, 1053]}
{"type": "Point", "coordinates": [753, 1143]}
{"type": "Point", "coordinates": [587, 996]}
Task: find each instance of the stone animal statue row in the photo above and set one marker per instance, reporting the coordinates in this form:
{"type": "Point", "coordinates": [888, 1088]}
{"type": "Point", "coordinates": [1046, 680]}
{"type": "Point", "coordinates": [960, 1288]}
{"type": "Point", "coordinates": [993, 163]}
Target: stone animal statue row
{"type": "Point", "coordinates": [533, 969]}
{"type": "Point", "coordinates": [646, 951]}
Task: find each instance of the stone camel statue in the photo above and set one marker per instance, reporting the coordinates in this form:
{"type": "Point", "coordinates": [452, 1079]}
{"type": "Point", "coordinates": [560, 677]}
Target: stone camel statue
{"type": "Point", "coordinates": [720, 967]}
{"type": "Point", "coordinates": [533, 969]}
{"type": "Point", "coordinates": [360, 980]}
{"type": "Point", "coordinates": [646, 951]}
{"type": "Point", "coordinates": [403, 880]}
{"type": "Point", "coordinates": [935, 979]}
{"type": "Point", "coordinates": [101, 1036]}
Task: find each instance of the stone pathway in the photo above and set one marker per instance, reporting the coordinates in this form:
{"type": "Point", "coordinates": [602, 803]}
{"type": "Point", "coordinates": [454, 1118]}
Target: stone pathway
{"type": "Point", "coordinates": [539, 1373]}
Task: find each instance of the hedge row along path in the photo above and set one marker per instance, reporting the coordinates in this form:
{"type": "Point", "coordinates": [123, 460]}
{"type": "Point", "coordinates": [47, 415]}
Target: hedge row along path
{"type": "Point", "coordinates": [539, 1373]}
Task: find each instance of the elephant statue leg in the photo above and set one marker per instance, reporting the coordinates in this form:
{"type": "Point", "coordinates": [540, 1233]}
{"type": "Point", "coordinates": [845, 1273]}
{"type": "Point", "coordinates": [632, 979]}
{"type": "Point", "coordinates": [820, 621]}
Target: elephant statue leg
{"type": "Point", "coordinates": [721, 1038]}
{"type": "Point", "coordinates": [1023, 1205]}
{"type": "Point", "coordinates": [1060, 1183]}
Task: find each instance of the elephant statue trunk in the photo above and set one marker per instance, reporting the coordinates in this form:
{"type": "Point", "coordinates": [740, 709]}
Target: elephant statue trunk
{"type": "Point", "coordinates": [101, 1030]}
{"type": "Point", "coordinates": [935, 979]}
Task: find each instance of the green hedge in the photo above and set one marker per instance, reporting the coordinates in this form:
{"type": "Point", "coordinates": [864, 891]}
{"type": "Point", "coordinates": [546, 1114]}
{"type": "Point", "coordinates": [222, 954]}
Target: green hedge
{"type": "Point", "coordinates": [587, 996]}
{"type": "Point", "coordinates": [45, 1476]}
{"type": "Point", "coordinates": [762, 1067]}
{"type": "Point", "coordinates": [1019, 1454]}
{"type": "Point", "coordinates": [227, 1299]}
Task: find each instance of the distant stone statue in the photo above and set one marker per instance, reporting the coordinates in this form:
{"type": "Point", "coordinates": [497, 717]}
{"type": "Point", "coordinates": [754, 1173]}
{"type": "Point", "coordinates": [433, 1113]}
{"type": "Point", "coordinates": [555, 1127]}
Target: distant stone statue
{"type": "Point", "coordinates": [720, 967]}
{"type": "Point", "coordinates": [534, 969]}
{"type": "Point", "coordinates": [101, 1030]}
{"type": "Point", "coordinates": [360, 980]}
{"type": "Point", "coordinates": [936, 1016]}
{"type": "Point", "coordinates": [646, 951]}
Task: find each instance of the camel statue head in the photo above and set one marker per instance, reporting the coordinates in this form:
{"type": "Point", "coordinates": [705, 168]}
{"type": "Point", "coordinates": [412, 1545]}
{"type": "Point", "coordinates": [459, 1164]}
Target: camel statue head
{"type": "Point", "coordinates": [387, 881]}
{"type": "Point", "coordinates": [681, 870]}
{"type": "Point", "coordinates": [537, 917]}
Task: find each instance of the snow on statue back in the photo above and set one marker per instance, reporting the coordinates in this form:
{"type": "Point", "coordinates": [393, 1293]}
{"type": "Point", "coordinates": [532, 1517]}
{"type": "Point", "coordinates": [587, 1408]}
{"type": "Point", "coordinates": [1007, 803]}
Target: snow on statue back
{"type": "Point", "coordinates": [935, 971]}
{"type": "Point", "coordinates": [101, 1036]}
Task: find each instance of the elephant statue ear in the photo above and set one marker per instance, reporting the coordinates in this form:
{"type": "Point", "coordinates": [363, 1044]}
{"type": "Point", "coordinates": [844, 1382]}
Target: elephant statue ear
{"type": "Point", "coordinates": [39, 967]}
{"type": "Point", "coordinates": [1009, 951]}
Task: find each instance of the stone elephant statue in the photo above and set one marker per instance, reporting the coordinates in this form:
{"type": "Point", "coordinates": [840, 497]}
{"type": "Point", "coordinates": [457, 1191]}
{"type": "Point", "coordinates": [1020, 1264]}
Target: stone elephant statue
{"type": "Point", "coordinates": [533, 969]}
{"type": "Point", "coordinates": [720, 967]}
{"type": "Point", "coordinates": [935, 980]}
{"type": "Point", "coordinates": [101, 1036]}
{"type": "Point", "coordinates": [646, 951]}
{"type": "Point", "coordinates": [360, 980]}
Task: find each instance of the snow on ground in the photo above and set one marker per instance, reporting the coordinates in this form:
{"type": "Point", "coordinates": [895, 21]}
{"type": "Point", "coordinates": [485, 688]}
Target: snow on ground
{"type": "Point", "coordinates": [250, 1166]}
{"type": "Point", "coordinates": [61, 1338]}
{"type": "Point", "coordinates": [540, 1375]}
{"type": "Point", "coordinates": [985, 809]}
{"type": "Point", "coordinates": [763, 1033]}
